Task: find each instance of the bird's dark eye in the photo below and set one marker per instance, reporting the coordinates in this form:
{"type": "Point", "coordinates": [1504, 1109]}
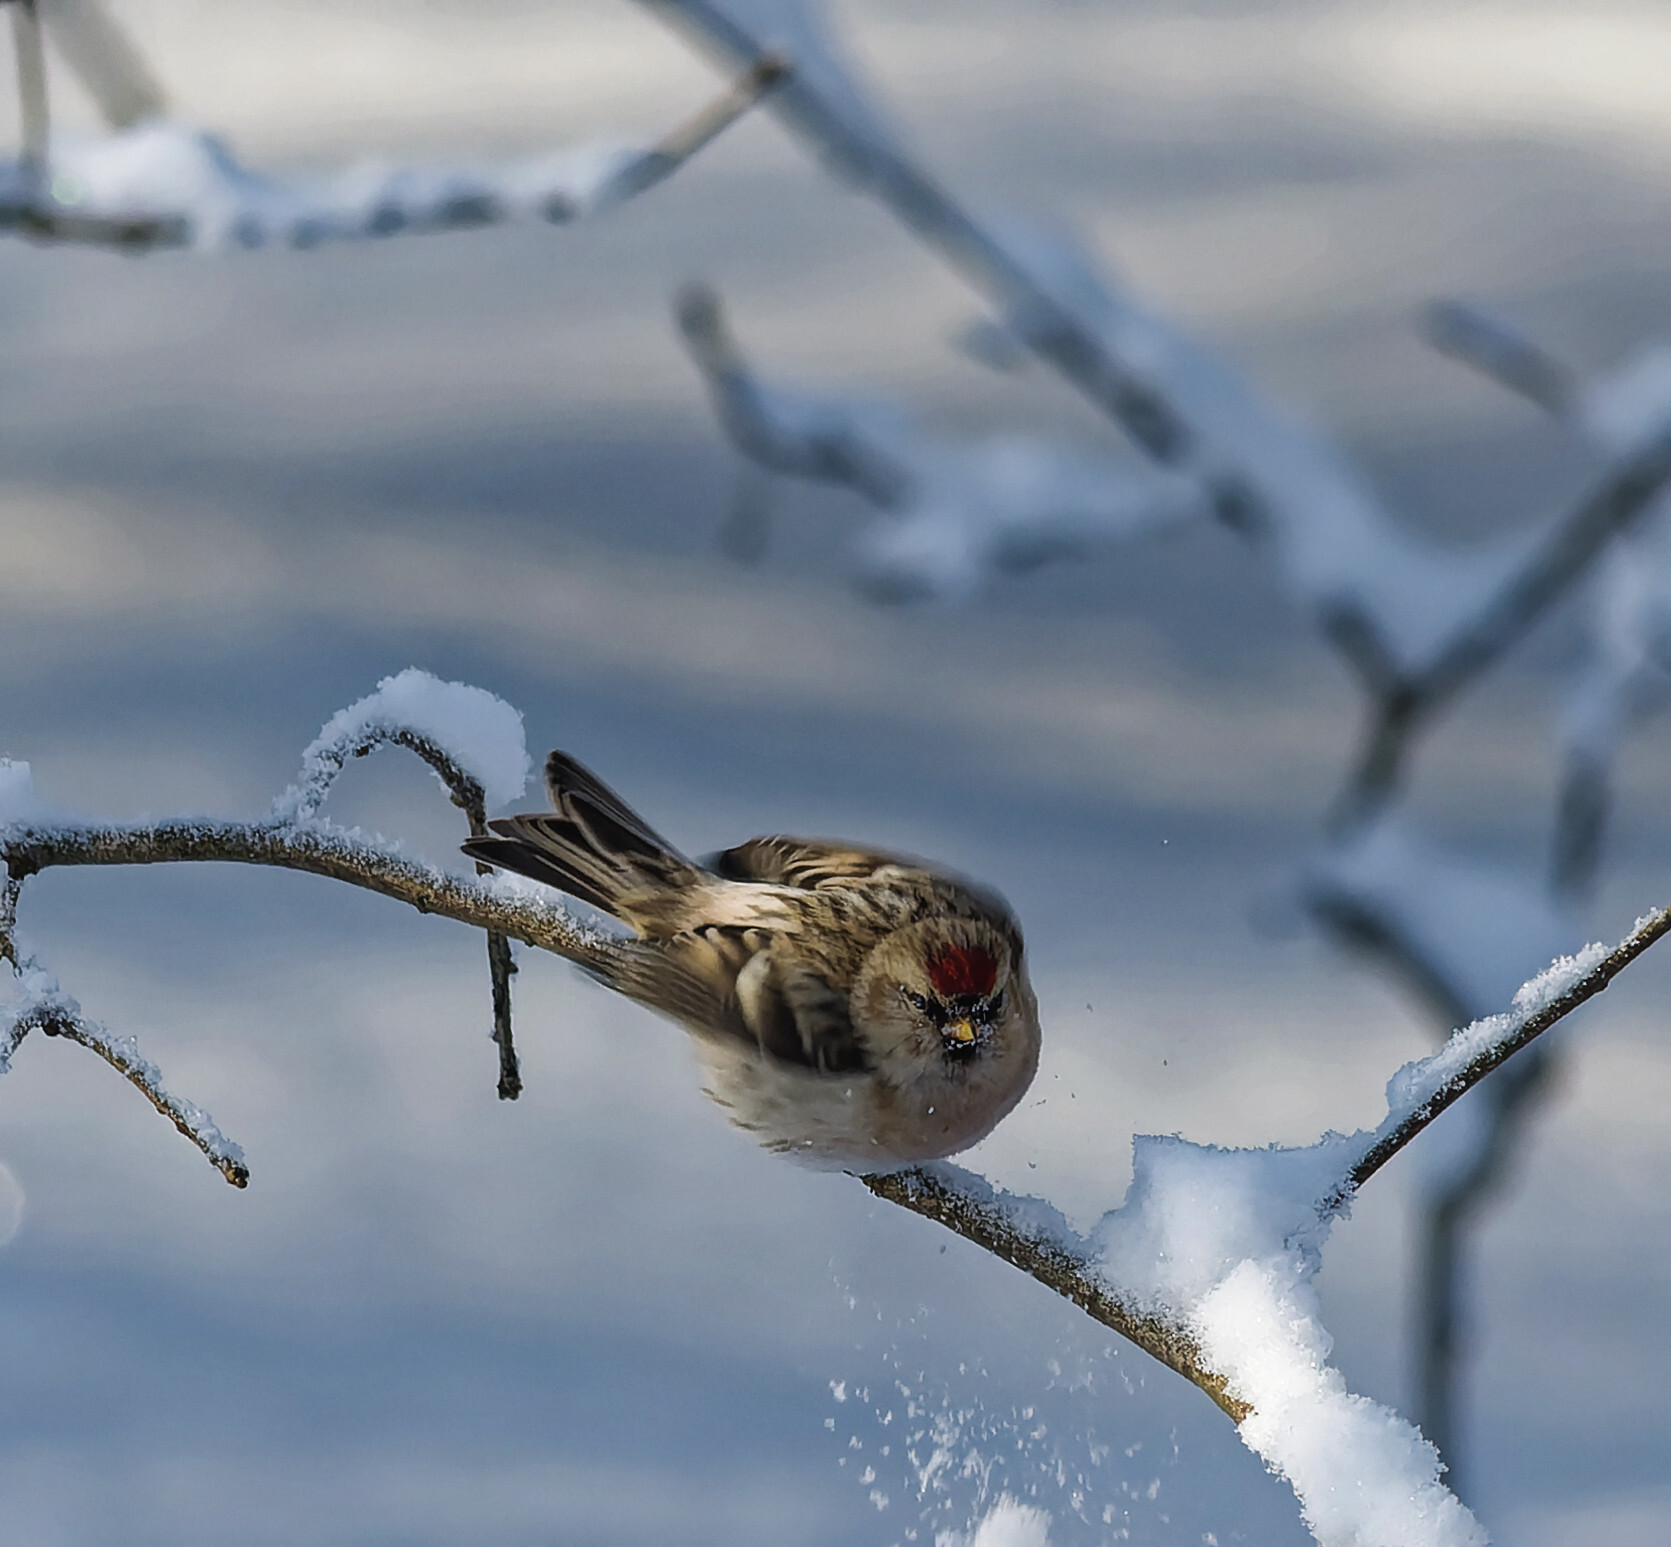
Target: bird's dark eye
{"type": "Point", "coordinates": [916, 1001]}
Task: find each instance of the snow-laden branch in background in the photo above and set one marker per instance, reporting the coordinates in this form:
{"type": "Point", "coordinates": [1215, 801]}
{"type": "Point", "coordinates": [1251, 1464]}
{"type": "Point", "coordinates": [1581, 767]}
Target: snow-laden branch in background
{"type": "Point", "coordinates": [1626, 666]}
{"type": "Point", "coordinates": [954, 513]}
{"type": "Point", "coordinates": [1418, 622]}
{"type": "Point", "coordinates": [1210, 1264]}
{"type": "Point", "coordinates": [152, 181]}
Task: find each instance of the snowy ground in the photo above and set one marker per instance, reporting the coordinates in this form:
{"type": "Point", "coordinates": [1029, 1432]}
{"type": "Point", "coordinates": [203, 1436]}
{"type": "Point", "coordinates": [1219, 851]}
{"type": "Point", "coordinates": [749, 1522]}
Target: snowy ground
{"type": "Point", "coordinates": [234, 494]}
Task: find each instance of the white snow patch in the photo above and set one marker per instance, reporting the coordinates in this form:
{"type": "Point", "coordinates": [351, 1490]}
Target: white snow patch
{"type": "Point", "coordinates": [189, 183]}
{"type": "Point", "coordinates": [1364, 1477]}
{"type": "Point", "coordinates": [481, 733]}
{"type": "Point", "coordinates": [19, 804]}
{"type": "Point", "coordinates": [1417, 1083]}
{"type": "Point", "coordinates": [1009, 1523]}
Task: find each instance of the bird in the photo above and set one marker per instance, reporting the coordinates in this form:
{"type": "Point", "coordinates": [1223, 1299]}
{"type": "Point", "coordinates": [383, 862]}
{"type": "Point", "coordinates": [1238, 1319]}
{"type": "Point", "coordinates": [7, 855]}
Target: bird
{"type": "Point", "coordinates": [859, 1010]}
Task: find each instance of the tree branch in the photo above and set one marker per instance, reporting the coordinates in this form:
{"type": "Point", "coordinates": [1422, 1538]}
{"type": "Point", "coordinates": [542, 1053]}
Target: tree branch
{"type": "Point", "coordinates": [318, 849]}
{"type": "Point", "coordinates": [123, 1056]}
{"type": "Point", "coordinates": [1456, 1077]}
{"type": "Point", "coordinates": [1559, 561]}
{"type": "Point", "coordinates": [967, 1206]}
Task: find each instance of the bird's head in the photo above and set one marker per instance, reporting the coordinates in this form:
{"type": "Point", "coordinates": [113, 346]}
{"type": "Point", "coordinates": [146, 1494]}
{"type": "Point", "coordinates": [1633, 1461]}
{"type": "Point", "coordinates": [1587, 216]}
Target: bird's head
{"type": "Point", "coordinates": [939, 995]}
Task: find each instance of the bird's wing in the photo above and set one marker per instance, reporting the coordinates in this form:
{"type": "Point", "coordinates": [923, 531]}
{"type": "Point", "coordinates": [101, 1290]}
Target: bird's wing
{"type": "Point", "coordinates": [805, 863]}
{"type": "Point", "coordinates": [593, 846]}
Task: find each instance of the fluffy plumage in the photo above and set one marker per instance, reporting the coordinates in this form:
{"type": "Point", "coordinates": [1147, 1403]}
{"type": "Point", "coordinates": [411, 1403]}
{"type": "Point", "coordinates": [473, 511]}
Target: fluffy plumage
{"type": "Point", "coordinates": [851, 1007]}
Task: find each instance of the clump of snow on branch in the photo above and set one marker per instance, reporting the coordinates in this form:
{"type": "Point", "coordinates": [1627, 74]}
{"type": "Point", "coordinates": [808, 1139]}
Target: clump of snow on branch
{"type": "Point", "coordinates": [188, 185]}
{"type": "Point", "coordinates": [1009, 1523]}
{"type": "Point", "coordinates": [1364, 1476]}
{"type": "Point", "coordinates": [1416, 1084]}
{"type": "Point", "coordinates": [18, 801]}
{"type": "Point", "coordinates": [1226, 1244]}
{"type": "Point", "coordinates": [480, 733]}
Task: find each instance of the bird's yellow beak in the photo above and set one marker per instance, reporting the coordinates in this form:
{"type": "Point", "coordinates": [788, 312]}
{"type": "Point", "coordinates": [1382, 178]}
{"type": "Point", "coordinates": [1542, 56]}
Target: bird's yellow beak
{"type": "Point", "coordinates": [961, 1032]}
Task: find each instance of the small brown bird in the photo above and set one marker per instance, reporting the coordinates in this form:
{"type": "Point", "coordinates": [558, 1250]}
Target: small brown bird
{"type": "Point", "coordinates": [852, 1008]}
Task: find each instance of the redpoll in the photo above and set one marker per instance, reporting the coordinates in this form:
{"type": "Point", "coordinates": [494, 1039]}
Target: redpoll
{"type": "Point", "coordinates": [850, 1007]}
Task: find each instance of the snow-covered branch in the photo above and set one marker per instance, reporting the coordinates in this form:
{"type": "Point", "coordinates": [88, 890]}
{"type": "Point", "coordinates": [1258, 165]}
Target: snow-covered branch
{"type": "Point", "coordinates": [474, 743]}
{"type": "Point", "coordinates": [953, 512]}
{"type": "Point", "coordinates": [37, 1004]}
{"type": "Point", "coordinates": [1208, 1266]}
{"type": "Point", "coordinates": [1417, 622]}
{"type": "Point", "coordinates": [152, 181]}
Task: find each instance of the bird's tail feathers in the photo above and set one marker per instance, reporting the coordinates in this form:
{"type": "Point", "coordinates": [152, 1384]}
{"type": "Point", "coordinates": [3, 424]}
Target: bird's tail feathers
{"type": "Point", "coordinates": [592, 846]}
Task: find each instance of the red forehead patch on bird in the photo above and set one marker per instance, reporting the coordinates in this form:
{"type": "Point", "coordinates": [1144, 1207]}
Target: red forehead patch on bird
{"type": "Point", "coordinates": [959, 970]}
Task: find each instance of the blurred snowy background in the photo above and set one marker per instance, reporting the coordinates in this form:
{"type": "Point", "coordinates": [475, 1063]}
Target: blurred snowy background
{"type": "Point", "coordinates": [236, 492]}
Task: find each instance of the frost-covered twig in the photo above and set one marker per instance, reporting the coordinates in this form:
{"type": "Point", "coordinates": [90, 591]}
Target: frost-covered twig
{"type": "Point", "coordinates": [36, 1003]}
{"type": "Point", "coordinates": [318, 849]}
{"type": "Point", "coordinates": [475, 745]}
{"type": "Point", "coordinates": [448, 725]}
{"type": "Point", "coordinates": [1425, 1089]}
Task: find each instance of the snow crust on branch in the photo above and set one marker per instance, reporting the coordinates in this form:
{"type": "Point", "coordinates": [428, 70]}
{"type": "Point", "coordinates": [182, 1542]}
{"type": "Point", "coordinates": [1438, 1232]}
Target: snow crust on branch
{"type": "Point", "coordinates": [188, 187]}
{"type": "Point", "coordinates": [18, 800]}
{"type": "Point", "coordinates": [1462, 933]}
{"type": "Point", "coordinates": [34, 1001]}
{"type": "Point", "coordinates": [1418, 1084]}
{"type": "Point", "coordinates": [477, 731]}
